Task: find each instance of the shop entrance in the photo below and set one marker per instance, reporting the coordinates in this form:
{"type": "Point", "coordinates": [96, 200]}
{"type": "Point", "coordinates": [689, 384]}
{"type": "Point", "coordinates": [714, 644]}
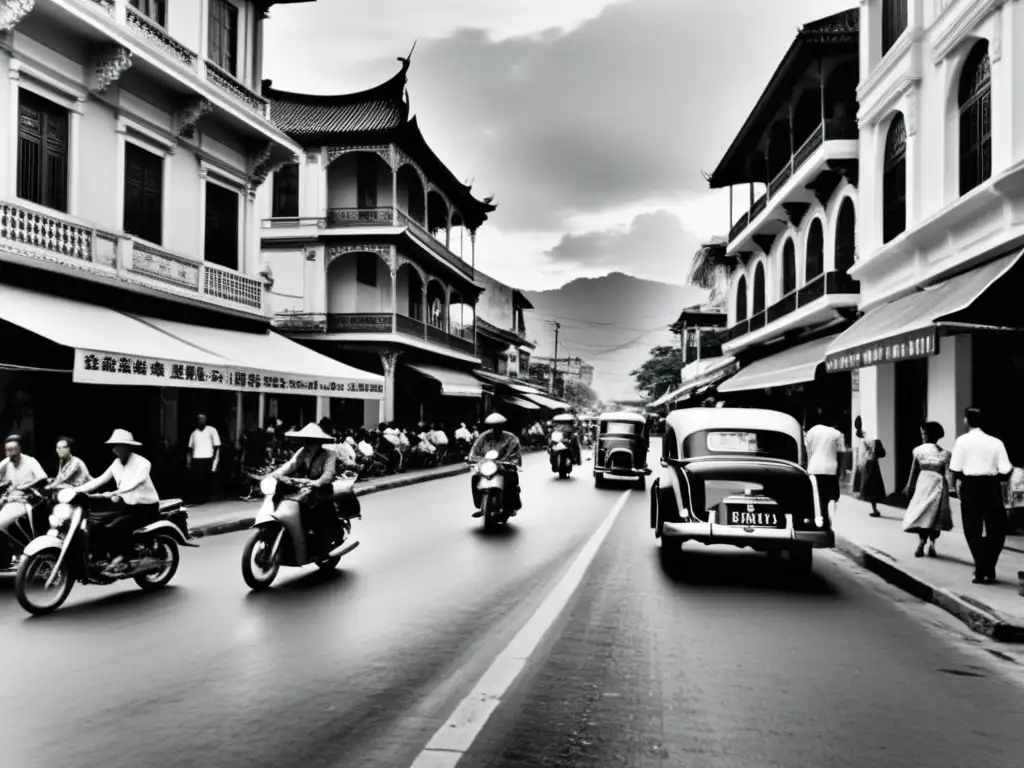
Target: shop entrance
{"type": "Point", "coordinates": [911, 412]}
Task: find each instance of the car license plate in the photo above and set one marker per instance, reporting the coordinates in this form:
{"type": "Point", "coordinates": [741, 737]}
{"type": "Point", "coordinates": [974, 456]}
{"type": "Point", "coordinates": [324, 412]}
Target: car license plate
{"type": "Point", "coordinates": [756, 518]}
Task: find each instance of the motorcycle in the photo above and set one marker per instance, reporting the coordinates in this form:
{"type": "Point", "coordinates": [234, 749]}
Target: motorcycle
{"type": "Point", "coordinates": [283, 538]}
{"type": "Point", "coordinates": [53, 562]}
{"type": "Point", "coordinates": [560, 454]}
{"type": "Point", "coordinates": [489, 493]}
{"type": "Point", "coordinates": [20, 508]}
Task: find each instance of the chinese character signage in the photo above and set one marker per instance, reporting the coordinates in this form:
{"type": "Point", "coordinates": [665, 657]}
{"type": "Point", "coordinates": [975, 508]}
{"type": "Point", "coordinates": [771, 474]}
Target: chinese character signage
{"type": "Point", "coordinates": [923, 342]}
{"type": "Point", "coordinates": [123, 370]}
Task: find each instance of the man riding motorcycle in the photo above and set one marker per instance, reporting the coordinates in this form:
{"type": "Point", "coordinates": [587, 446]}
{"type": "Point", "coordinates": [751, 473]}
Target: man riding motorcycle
{"type": "Point", "coordinates": [17, 470]}
{"type": "Point", "coordinates": [507, 446]}
{"type": "Point", "coordinates": [315, 467]}
{"type": "Point", "coordinates": [134, 504]}
{"type": "Point", "coordinates": [570, 438]}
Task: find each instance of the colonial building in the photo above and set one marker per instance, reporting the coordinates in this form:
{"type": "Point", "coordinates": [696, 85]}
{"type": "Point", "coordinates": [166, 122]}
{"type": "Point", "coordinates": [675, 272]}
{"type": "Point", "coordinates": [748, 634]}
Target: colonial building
{"type": "Point", "coordinates": [701, 330]}
{"type": "Point", "coordinates": [795, 164]}
{"type": "Point", "coordinates": [941, 222]}
{"type": "Point", "coordinates": [568, 368]}
{"type": "Point", "coordinates": [134, 144]}
{"type": "Point", "coordinates": [370, 240]}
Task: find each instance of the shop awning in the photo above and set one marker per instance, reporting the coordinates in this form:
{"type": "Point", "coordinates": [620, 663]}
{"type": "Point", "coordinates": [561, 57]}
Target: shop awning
{"type": "Point", "coordinates": [507, 381]}
{"type": "Point", "coordinates": [796, 365]}
{"type": "Point", "coordinates": [908, 327]}
{"type": "Point", "coordinates": [453, 383]}
{"type": "Point", "coordinates": [120, 349]}
{"type": "Point", "coordinates": [700, 374]}
{"type": "Point", "coordinates": [546, 402]}
{"type": "Point", "coordinates": [518, 402]}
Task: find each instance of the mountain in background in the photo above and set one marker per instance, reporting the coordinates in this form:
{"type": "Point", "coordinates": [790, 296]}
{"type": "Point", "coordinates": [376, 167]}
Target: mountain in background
{"type": "Point", "coordinates": [611, 322]}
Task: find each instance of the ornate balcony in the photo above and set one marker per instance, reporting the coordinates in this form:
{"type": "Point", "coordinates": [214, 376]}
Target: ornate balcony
{"type": "Point", "coordinates": [360, 217]}
{"type": "Point", "coordinates": [145, 28]}
{"type": "Point", "coordinates": [384, 323]}
{"type": "Point", "coordinates": [29, 236]}
{"type": "Point", "coordinates": [827, 285]}
{"type": "Point", "coordinates": [227, 83]}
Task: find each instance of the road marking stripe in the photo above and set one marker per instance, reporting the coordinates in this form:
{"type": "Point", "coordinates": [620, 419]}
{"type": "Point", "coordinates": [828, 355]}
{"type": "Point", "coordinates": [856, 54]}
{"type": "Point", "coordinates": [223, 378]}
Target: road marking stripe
{"type": "Point", "coordinates": [454, 738]}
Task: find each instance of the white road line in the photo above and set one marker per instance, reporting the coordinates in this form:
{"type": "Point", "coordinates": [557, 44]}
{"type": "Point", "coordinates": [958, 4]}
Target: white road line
{"type": "Point", "coordinates": [454, 738]}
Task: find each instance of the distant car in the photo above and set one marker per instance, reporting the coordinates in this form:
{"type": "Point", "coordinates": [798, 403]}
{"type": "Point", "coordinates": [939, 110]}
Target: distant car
{"type": "Point", "coordinates": [735, 476]}
{"type": "Point", "coordinates": [623, 440]}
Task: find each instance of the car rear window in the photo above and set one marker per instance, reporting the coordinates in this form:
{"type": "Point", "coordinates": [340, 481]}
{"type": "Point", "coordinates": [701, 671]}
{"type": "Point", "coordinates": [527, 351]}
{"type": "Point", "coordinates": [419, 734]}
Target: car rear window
{"type": "Point", "coordinates": [621, 428]}
{"type": "Point", "coordinates": [715, 491]}
{"type": "Point", "coordinates": [741, 442]}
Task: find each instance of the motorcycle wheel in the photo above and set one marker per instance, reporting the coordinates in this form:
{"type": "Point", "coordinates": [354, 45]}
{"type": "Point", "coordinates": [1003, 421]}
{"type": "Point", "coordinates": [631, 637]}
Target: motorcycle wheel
{"type": "Point", "coordinates": [487, 507]}
{"type": "Point", "coordinates": [329, 564]}
{"type": "Point", "coordinates": [165, 549]}
{"type": "Point", "coordinates": [36, 569]}
{"type": "Point", "coordinates": [256, 576]}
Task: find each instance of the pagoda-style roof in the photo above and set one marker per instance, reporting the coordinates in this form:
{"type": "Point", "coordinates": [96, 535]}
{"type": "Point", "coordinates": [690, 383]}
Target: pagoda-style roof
{"type": "Point", "coordinates": [831, 36]}
{"type": "Point", "coordinates": [373, 116]}
{"type": "Point", "coordinates": [519, 299]}
{"type": "Point", "coordinates": [699, 316]}
{"type": "Point", "coordinates": [502, 335]}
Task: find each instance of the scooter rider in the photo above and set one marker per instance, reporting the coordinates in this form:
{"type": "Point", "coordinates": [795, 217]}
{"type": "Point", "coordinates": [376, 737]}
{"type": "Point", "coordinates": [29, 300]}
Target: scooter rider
{"type": "Point", "coordinates": [568, 430]}
{"type": "Point", "coordinates": [509, 451]}
{"type": "Point", "coordinates": [315, 467]}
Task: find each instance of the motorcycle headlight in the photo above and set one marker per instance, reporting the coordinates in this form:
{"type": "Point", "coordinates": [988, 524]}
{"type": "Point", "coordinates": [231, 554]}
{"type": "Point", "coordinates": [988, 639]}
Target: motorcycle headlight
{"type": "Point", "coordinates": [488, 469]}
{"type": "Point", "coordinates": [66, 495]}
{"type": "Point", "coordinates": [61, 512]}
{"type": "Point", "coordinates": [268, 485]}
{"type": "Point", "coordinates": [557, 437]}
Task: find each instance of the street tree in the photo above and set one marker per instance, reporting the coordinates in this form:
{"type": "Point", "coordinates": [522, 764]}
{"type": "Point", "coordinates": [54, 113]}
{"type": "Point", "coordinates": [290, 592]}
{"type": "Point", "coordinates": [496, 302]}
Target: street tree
{"type": "Point", "coordinates": [660, 373]}
{"type": "Point", "coordinates": [579, 395]}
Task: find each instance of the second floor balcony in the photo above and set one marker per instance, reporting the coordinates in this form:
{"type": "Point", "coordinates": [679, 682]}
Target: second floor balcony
{"type": "Point", "coordinates": [57, 243]}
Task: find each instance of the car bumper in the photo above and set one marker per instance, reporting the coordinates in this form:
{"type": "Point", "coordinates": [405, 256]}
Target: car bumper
{"type": "Point", "coordinates": [712, 533]}
{"type": "Point", "coordinates": [618, 472]}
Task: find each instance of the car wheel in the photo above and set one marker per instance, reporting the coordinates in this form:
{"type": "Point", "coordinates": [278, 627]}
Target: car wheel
{"type": "Point", "coordinates": [671, 554]}
{"type": "Point", "coordinates": [598, 481]}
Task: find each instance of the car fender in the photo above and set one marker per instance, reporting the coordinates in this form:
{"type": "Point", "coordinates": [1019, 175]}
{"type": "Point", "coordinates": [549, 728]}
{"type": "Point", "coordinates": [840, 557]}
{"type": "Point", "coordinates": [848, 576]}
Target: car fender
{"type": "Point", "coordinates": [42, 543]}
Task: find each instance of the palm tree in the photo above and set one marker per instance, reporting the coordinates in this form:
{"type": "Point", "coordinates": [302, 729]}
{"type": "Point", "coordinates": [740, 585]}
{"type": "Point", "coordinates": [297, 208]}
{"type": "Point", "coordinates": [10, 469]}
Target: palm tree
{"type": "Point", "coordinates": [710, 264]}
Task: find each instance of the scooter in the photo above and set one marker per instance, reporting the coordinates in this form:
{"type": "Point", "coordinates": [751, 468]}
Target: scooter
{"type": "Point", "coordinates": [560, 455]}
{"type": "Point", "coordinates": [489, 493]}
{"type": "Point", "coordinates": [283, 538]}
{"type": "Point", "coordinates": [52, 563]}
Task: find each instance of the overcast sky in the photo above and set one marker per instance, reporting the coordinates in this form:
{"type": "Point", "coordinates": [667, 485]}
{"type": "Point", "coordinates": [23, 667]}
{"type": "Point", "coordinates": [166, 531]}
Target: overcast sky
{"type": "Point", "coordinates": [590, 120]}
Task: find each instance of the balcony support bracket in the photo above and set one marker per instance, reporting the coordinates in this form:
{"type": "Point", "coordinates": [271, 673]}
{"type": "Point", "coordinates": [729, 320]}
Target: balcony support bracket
{"type": "Point", "coordinates": [848, 168]}
{"type": "Point", "coordinates": [106, 66]}
{"type": "Point", "coordinates": [764, 242]}
{"type": "Point", "coordinates": [13, 11]}
{"type": "Point", "coordinates": [796, 212]}
{"type": "Point", "coordinates": [189, 115]}
{"type": "Point", "coordinates": [262, 167]}
{"type": "Point", "coordinates": [824, 185]}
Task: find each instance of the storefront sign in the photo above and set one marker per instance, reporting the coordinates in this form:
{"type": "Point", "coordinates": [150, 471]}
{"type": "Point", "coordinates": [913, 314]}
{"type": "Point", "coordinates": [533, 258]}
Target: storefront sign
{"type": "Point", "coordinates": [120, 370]}
{"type": "Point", "coordinates": [906, 346]}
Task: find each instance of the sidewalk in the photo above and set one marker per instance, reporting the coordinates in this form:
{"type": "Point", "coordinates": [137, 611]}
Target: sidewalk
{"type": "Point", "coordinates": [234, 515]}
{"type": "Point", "coordinates": [880, 545]}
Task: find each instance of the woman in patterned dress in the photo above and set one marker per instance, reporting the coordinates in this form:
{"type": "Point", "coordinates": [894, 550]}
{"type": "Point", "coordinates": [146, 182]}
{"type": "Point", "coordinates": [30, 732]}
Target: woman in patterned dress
{"type": "Point", "coordinates": [928, 513]}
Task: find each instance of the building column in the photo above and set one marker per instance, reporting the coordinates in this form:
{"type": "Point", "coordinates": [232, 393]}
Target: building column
{"type": "Point", "coordinates": [394, 295]}
{"type": "Point", "coordinates": [426, 311]}
{"type": "Point", "coordinates": [950, 385]}
{"type": "Point", "coordinates": [261, 412]}
{"type": "Point", "coordinates": [239, 418]}
{"type": "Point", "coordinates": [914, 158]}
{"type": "Point", "coordinates": [390, 362]}
{"type": "Point", "coordinates": [878, 412]}
{"type": "Point", "coordinates": [323, 407]}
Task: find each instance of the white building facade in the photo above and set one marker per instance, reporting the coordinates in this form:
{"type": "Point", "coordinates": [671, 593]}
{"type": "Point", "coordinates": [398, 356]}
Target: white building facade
{"type": "Point", "coordinates": [941, 218]}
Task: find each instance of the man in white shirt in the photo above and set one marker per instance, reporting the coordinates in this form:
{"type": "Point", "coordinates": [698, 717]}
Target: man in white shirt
{"type": "Point", "coordinates": [202, 459]}
{"type": "Point", "coordinates": [824, 444]}
{"type": "Point", "coordinates": [16, 470]}
{"type": "Point", "coordinates": [979, 465]}
{"type": "Point", "coordinates": [135, 502]}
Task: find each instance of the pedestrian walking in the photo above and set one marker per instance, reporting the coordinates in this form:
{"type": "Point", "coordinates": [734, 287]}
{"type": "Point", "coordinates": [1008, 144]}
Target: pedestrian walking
{"type": "Point", "coordinates": [202, 459]}
{"type": "Point", "coordinates": [928, 513]}
{"type": "Point", "coordinates": [824, 443]}
{"type": "Point", "coordinates": [979, 464]}
{"type": "Point", "coordinates": [858, 454]}
{"type": "Point", "coordinates": [872, 485]}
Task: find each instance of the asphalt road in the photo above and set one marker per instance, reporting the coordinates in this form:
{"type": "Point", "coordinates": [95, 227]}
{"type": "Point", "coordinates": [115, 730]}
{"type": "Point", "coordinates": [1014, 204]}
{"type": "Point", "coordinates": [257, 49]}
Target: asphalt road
{"type": "Point", "coordinates": [736, 663]}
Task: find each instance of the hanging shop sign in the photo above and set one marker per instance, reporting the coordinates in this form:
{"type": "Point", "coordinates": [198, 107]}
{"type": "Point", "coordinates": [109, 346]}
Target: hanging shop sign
{"type": "Point", "coordinates": [923, 342]}
{"type": "Point", "coordinates": [121, 370]}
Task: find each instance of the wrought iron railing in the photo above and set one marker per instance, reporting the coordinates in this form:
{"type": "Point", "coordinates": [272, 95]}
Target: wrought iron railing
{"type": "Point", "coordinates": [809, 147]}
{"type": "Point", "coordinates": [360, 322]}
{"type": "Point", "coordinates": [231, 85]}
{"type": "Point", "coordinates": [144, 27]}
{"type": "Point", "coordinates": [360, 217]}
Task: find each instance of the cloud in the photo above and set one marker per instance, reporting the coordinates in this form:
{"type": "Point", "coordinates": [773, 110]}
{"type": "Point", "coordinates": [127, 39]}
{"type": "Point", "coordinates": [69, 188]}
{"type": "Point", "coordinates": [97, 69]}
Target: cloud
{"type": "Point", "coordinates": [654, 246]}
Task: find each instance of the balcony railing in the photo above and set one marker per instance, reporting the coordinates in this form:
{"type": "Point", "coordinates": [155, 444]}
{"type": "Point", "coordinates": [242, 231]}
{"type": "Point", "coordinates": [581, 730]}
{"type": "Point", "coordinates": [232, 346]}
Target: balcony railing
{"type": "Point", "coordinates": [826, 284]}
{"type": "Point", "coordinates": [831, 129]}
{"type": "Point", "coordinates": [360, 217]}
{"type": "Point", "coordinates": [142, 26]}
{"type": "Point", "coordinates": [227, 83]}
{"type": "Point", "coordinates": [55, 240]}
{"type": "Point", "coordinates": [351, 322]}
{"type": "Point", "coordinates": [459, 339]}
{"type": "Point", "coordinates": [421, 235]}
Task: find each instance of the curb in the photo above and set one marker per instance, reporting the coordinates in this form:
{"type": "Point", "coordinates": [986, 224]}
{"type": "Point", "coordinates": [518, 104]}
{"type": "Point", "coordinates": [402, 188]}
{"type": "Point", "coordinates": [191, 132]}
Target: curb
{"type": "Point", "coordinates": [244, 523]}
{"type": "Point", "coordinates": [978, 616]}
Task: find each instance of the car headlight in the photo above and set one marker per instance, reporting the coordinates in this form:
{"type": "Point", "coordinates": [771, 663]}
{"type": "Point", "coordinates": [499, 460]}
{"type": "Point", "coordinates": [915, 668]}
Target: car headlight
{"type": "Point", "coordinates": [488, 469]}
{"type": "Point", "coordinates": [66, 495]}
{"type": "Point", "coordinates": [268, 485]}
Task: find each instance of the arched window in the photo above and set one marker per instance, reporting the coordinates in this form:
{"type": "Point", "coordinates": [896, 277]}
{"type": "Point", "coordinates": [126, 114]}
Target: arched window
{"type": "Point", "coordinates": [741, 300]}
{"type": "Point", "coordinates": [758, 289]}
{"type": "Point", "coordinates": [975, 119]}
{"type": "Point", "coordinates": [788, 268]}
{"type": "Point", "coordinates": [846, 234]}
{"type": "Point", "coordinates": [894, 180]}
{"type": "Point", "coordinates": [894, 22]}
{"type": "Point", "coordinates": [815, 256]}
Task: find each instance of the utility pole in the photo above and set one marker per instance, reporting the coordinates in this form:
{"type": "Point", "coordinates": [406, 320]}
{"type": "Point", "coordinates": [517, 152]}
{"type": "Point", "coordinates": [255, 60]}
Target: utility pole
{"type": "Point", "coordinates": [554, 358]}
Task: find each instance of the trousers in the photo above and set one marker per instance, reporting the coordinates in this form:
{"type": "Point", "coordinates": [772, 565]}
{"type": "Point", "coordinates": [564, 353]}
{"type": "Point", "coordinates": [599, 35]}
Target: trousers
{"type": "Point", "coordinates": [981, 507]}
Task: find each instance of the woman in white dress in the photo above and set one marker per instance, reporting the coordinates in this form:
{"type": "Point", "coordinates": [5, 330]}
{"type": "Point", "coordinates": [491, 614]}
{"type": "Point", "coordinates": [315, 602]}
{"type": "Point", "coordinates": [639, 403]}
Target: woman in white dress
{"type": "Point", "coordinates": [928, 490]}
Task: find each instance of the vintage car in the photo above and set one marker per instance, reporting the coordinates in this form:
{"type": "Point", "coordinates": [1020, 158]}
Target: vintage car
{"type": "Point", "coordinates": [735, 476]}
{"type": "Point", "coordinates": [623, 440]}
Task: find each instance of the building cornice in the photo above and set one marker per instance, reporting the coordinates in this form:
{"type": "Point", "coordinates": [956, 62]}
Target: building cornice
{"type": "Point", "coordinates": [961, 26]}
{"type": "Point", "coordinates": [910, 37]}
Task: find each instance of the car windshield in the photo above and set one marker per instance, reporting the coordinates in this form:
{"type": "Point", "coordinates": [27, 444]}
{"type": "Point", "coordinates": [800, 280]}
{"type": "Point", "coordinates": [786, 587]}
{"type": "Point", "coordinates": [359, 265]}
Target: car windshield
{"type": "Point", "coordinates": [621, 428]}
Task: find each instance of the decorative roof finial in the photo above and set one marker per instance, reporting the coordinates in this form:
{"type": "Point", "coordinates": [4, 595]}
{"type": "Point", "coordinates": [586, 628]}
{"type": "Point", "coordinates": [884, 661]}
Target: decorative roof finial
{"type": "Point", "coordinates": [408, 59]}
